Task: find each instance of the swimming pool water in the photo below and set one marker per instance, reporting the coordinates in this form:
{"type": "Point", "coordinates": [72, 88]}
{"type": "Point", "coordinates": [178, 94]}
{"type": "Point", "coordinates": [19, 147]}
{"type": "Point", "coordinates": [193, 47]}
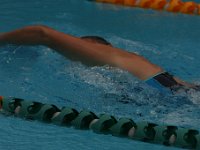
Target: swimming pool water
{"type": "Point", "coordinates": [38, 73]}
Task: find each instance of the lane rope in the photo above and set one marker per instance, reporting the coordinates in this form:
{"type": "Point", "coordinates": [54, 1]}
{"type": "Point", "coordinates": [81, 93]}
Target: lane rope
{"type": "Point", "coordinates": [175, 6]}
{"type": "Point", "coordinates": [102, 124]}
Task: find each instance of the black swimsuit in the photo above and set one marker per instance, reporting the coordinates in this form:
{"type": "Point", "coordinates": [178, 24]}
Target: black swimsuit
{"type": "Point", "coordinates": [164, 82]}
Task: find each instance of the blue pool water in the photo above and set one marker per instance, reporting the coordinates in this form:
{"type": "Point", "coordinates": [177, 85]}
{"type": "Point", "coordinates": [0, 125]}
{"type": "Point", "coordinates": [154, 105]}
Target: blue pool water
{"type": "Point", "coordinates": [38, 73]}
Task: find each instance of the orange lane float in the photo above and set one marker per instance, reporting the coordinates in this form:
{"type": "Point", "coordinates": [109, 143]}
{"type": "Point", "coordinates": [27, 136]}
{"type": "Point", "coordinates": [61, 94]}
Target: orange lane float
{"type": "Point", "coordinates": [129, 2]}
{"type": "Point", "coordinates": [198, 9]}
{"type": "Point", "coordinates": [176, 6]}
{"type": "Point", "coordinates": [145, 3]}
{"type": "Point", "coordinates": [189, 7]}
{"type": "Point", "coordinates": [158, 4]}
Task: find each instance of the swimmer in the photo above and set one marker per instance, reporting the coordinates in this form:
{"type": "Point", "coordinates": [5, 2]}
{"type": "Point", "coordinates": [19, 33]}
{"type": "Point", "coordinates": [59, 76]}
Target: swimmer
{"type": "Point", "coordinates": [93, 50]}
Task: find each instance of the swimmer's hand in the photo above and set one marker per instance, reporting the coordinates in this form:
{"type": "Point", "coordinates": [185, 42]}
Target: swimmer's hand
{"type": "Point", "coordinates": [186, 84]}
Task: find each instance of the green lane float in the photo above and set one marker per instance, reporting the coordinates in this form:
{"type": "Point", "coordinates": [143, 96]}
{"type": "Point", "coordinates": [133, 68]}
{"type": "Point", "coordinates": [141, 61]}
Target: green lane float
{"type": "Point", "coordinates": [65, 116]}
{"type": "Point", "coordinates": [122, 127]}
{"type": "Point", "coordinates": [163, 134]}
{"type": "Point", "coordinates": [145, 131]}
{"type": "Point", "coordinates": [175, 6]}
{"type": "Point", "coordinates": [83, 120]}
{"type": "Point", "coordinates": [102, 124]}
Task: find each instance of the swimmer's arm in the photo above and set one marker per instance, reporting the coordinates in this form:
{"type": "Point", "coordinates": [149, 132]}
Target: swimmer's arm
{"type": "Point", "coordinates": [32, 35]}
{"type": "Point", "coordinates": [101, 54]}
{"type": "Point", "coordinates": [73, 47]}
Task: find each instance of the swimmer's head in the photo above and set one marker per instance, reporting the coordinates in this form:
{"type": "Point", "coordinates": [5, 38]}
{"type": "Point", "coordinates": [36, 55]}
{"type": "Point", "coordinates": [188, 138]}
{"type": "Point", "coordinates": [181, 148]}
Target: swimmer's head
{"type": "Point", "coordinates": [96, 39]}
